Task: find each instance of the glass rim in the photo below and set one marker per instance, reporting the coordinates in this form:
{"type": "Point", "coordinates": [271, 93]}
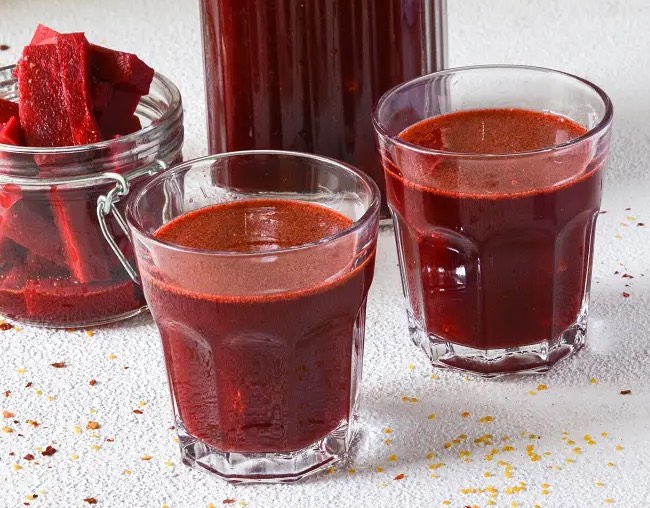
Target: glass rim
{"type": "Point", "coordinates": [159, 125]}
{"type": "Point", "coordinates": [372, 209]}
{"type": "Point", "coordinates": [601, 126]}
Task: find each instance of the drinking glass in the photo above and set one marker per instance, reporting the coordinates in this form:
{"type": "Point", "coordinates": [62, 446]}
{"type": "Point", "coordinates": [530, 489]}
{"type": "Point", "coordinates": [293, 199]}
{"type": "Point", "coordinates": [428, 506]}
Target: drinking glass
{"type": "Point", "coordinates": [263, 348]}
{"type": "Point", "coordinates": [496, 281]}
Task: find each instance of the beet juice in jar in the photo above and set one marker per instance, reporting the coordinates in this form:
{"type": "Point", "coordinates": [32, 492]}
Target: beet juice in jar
{"type": "Point", "coordinates": [305, 75]}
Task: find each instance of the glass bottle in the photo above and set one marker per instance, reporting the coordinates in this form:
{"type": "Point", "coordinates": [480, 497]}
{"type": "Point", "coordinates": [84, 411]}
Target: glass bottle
{"type": "Point", "coordinates": [305, 75]}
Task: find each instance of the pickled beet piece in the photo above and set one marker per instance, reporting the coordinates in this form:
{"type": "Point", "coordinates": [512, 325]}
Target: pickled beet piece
{"type": "Point", "coordinates": [84, 246]}
{"type": "Point", "coordinates": [11, 133]}
{"type": "Point", "coordinates": [119, 114]}
{"type": "Point", "coordinates": [74, 63]}
{"type": "Point", "coordinates": [38, 267]}
{"type": "Point", "coordinates": [101, 94]}
{"type": "Point", "coordinates": [43, 35]}
{"type": "Point", "coordinates": [41, 98]}
{"type": "Point", "coordinates": [12, 293]}
{"type": "Point", "coordinates": [116, 67]}
{"type": "Point", "coordinates": [58, 300]}
{"type": "Point", "coordinates": [8, 109]}
{"type": "Point", "coordinates": [30, 224]}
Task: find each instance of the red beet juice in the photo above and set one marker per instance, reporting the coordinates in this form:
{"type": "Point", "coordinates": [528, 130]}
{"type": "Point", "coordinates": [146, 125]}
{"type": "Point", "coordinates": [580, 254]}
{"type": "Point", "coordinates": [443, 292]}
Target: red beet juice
{"type": "Point", "coordinates": [254, 369]}
{"type": "Point", "coordinates": [496, 252]}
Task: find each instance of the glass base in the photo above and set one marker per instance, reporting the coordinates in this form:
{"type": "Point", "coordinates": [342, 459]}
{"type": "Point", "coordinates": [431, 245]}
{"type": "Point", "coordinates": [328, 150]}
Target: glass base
{"type": "Point", "coordinates": [529, 359]}
{"type": "Point", "coordinates": [86, 324]}
{"type": "Point", "coordinates": [283, 467]}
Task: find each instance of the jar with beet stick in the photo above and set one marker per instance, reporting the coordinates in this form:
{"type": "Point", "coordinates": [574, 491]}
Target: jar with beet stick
{"type": "Point", "coordinates": [65, 254]}
{"type": "Point", "coordinates": [306, 75]}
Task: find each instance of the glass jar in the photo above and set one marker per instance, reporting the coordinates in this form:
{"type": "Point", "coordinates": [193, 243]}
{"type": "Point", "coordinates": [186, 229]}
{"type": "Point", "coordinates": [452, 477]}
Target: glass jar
{"type": "Point", "coordinates": [60, 221]}
{"type": "Point", "coordinates": [305, 75]}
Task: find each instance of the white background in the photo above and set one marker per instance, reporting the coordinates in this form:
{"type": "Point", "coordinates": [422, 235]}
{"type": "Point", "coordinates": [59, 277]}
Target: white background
{"type": "Point", "coordinates": [605, 41]}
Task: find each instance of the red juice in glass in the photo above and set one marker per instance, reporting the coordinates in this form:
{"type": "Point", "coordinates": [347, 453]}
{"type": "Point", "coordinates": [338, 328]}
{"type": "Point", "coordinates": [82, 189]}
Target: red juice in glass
{"type": "Point", "coordinates": [494, 211]}
{"type": "Point", "coordinates": [305, 75]}
{"type": "Point", "coordinates": [260, 303]}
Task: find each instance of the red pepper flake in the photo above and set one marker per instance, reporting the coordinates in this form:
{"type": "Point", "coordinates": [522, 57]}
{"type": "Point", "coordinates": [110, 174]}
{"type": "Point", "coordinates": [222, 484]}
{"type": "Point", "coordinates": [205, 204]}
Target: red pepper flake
{"type": "Point", "coordinates": [137, 411]}
{"type": "Point", "coordinates": [627, 276]}
{"type": "Point", "coordinates": [4, 47]}
{"type": "Point", "coordinates": [7, 414]}
{"type": "Point", "coordinates": [626, 392]}
{"type": "Point", "coordinates": [48, 451]}
{"type": "Point", "coordinates": [640, 224]}
{"type": "Point", "coordinates": [58, 365]}
{"type": "Point", "coordinates": [29, 456]}
{"type": "Point", "coordinates": [229, 501]}
{"type": "Point", "coordinates": [90, 500]}
{"type": "Point", "coordinates": [400, 476]}
{"type": "Point", "coordinates": [109, 440]}
{"type": "Point", "coordinates": [6, 327]}
{"type": "Point", "coordinates": [32, 423]}
{"type": "Point", "coordinates": [28, 385]}
{"type": "Point", "coordinates": [7, 393]}
{"type": "Point", "coordinates": [626, 294]}
{"type": "Point", "coordinates": [91, 425]}
{"type": "Point", "coordinates": [92, 382]}
{"type": "Point", "coordinates": [628, 209]}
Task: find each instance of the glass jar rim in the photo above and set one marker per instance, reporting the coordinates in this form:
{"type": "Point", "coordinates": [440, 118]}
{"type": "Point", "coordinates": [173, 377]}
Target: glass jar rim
{"type": "Point", "coordinates": [600, 127]}
{"type": "Point", "coordinates": [159, 126]}
{"type": "Point", "coordinates": [371, 211]}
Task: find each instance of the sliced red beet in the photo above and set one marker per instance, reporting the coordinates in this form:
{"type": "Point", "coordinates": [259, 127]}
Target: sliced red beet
{"type": "Point", "coordinates": [84, 246]}
{"type": "Point", "coordinates": [101, 94]}
{"type": "Point", "coordinates": [66, 303]}
{"type": "Point", "coordinates": [38, 267]}
{"type": "Point", "coordinates": [11, 133]}
{"type": "Point", "coordinates": [8, 109]}
{"type": "Point", "coordinates": [118, 116]}
{"type": "Point", "coordinates": [12, 255]}
{"type": "Point", "coordinates": [74, 63]}
{"type": "Point", "coordinates": [43, 35]}
{"type": "Point", "coordinates": [116, 67]}
{"type": "Point", "coordinates": [41, 97]}
{"type": "Point", "coordinates": [29, 223]}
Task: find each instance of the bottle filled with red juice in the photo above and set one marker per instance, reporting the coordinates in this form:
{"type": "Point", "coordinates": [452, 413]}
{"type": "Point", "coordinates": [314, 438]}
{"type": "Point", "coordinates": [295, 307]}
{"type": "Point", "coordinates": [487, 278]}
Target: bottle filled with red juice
{"type": "Point", "coordinates": [305, 75]}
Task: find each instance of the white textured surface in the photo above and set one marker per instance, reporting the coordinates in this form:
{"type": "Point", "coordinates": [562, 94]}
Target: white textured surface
{"type": "Point", "coordinates": [604, 40]}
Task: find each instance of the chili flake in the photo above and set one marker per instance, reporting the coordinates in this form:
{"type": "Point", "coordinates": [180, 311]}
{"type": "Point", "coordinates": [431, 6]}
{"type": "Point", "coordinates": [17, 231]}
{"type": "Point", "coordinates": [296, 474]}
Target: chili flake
{"type": "Point", "coordinates": [49, 450]}
{"type": "Point", "coordinates": [6, 326]}
{"type": "Point", "coordinates": [92, 382]}
{"type": "Point", "coordinates": [90, 500]}
{"type": "Point", "coordinates": [7, 414]}
{"type": "Point", "coordinates": [7, 430]}
{"type": "Point", "coordinates": [146, 457]}
{"type": "Point", "coordinates": [32, 423]}
{"type": "Point", "coordinates": [400, 476]}
{"type": "Point", "coordinates": [626, 392]}
{"type": "Point", "coordinates": [91, 425]}
{"type": "Point", "coordinates": [4, 47]}
{"type": "Point", "coordinates": [229, 501]}
{"type": "Point", "coordinates": [626, 294]}
{"type": "Point", "coordinates": [58, 365]}
{"type": "Point", "coordinates": [28, 457]}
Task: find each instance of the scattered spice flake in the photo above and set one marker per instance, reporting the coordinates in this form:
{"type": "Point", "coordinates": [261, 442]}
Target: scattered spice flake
{"type": "Point", "coordinates": [6, 327]}
{"type": "Point", "coordinates": [400, 476]}
{"type": "Point", "coordinates": [600, 484]}
{"type": "Point", "coordinates": [112, 356]}
{"type": "Point", "coordinates": [626, 392]}
{"type": "Point", "coordinates": [640, 224]}
{"type": "Point", "coordinates": [49, 450]}
{"type": "Point", "coordinates": [21, 370]}
{"type": "Point", "coordinates": [7, 414]}
{"type": "Point", "coordinates": [7, 430]}
{"type": "Point", "coordinates": [388, 430]}
{"type": "Point", "coordinates": [379, 469]}
{"type": "Point", "coordinates": [76, 429]}
{"type": "Point", "coordinates": [486, 419]}
{"type": "Point", "coordinates": [96, 447]}
{"type": "Point", "coordinates": [330, 470]}
{"type": "Point", "coordinates": [32, 423]}
{"type": "Point", "coordinates": [4, 47]}
{"type": "Point", "coordinates": [532, 392]}
{"type": "Point", "coordinates": [351, 470]}
{"type": "Point", "coordinates": [619, 448]}
{"type": "Point", "coordinates": [28, 385]}
{"type": "Point", "coordinates": [628, 209]}
{"type": "Point", "coordinates": [58, 365]}
{"type": "Point", "coordinates": [608, 500]}
{"type": "Point", "coordinates": [90, 333]}
{"type": "Point", "coordinates": [17, 467]}
{"type": "Point", "coordinates": [7, 393]}
{"type": "Point", "coordinates": [90, 500]}
{"type": "Point", "coordinates": [28, 457]}
{"type": "Point", "coordinates": [627, 276]}
{"type": "Point", "coordinates": [432, 416]}
{"type": "Point", "coordinates": [411, 366]}
{"type": "Point", "coordinates": [92, 382]}
{"type": "Point", "coordinates": [465, 414]}
{"type": "Point", "coordinates": [434, 377]}
{"type": "Point", "coordinates": [137, 411]}
{"type": "Point", "coordinates": [91, 425]}
{"type": "Point", "coordinates": [74, 457]}
{"type": "Point", "coordinates": [146, 457]}
{"type": "Point", "coordinates": [626, 294]}
{"type": "Point", "coordinates": [229, 501]}
{"type": "Point", "coordinates": [126, 472]}
{"type": "Point", "coordinates": [593, 381]}
{"type": "Point", "coordinates": [541, 388]}
{"type": "Point", "coordinates": [604, 434]}
{"type": "Point", "coordinates": [392, 458]}
{"type": "Point", "coordinates": [388, 442]}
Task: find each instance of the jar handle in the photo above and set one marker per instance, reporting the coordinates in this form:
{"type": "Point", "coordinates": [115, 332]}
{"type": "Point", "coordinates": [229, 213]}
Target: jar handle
{"type": "Point", "coordinates": [106, 206]}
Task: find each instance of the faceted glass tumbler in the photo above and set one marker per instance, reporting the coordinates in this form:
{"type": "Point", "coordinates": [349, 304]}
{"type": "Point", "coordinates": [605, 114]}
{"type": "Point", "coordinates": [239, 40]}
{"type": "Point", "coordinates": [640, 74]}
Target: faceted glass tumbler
{"type": "Point", "coordinates": [495, 283]}
{"type": "Point", "coordinates": [263, 349]}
